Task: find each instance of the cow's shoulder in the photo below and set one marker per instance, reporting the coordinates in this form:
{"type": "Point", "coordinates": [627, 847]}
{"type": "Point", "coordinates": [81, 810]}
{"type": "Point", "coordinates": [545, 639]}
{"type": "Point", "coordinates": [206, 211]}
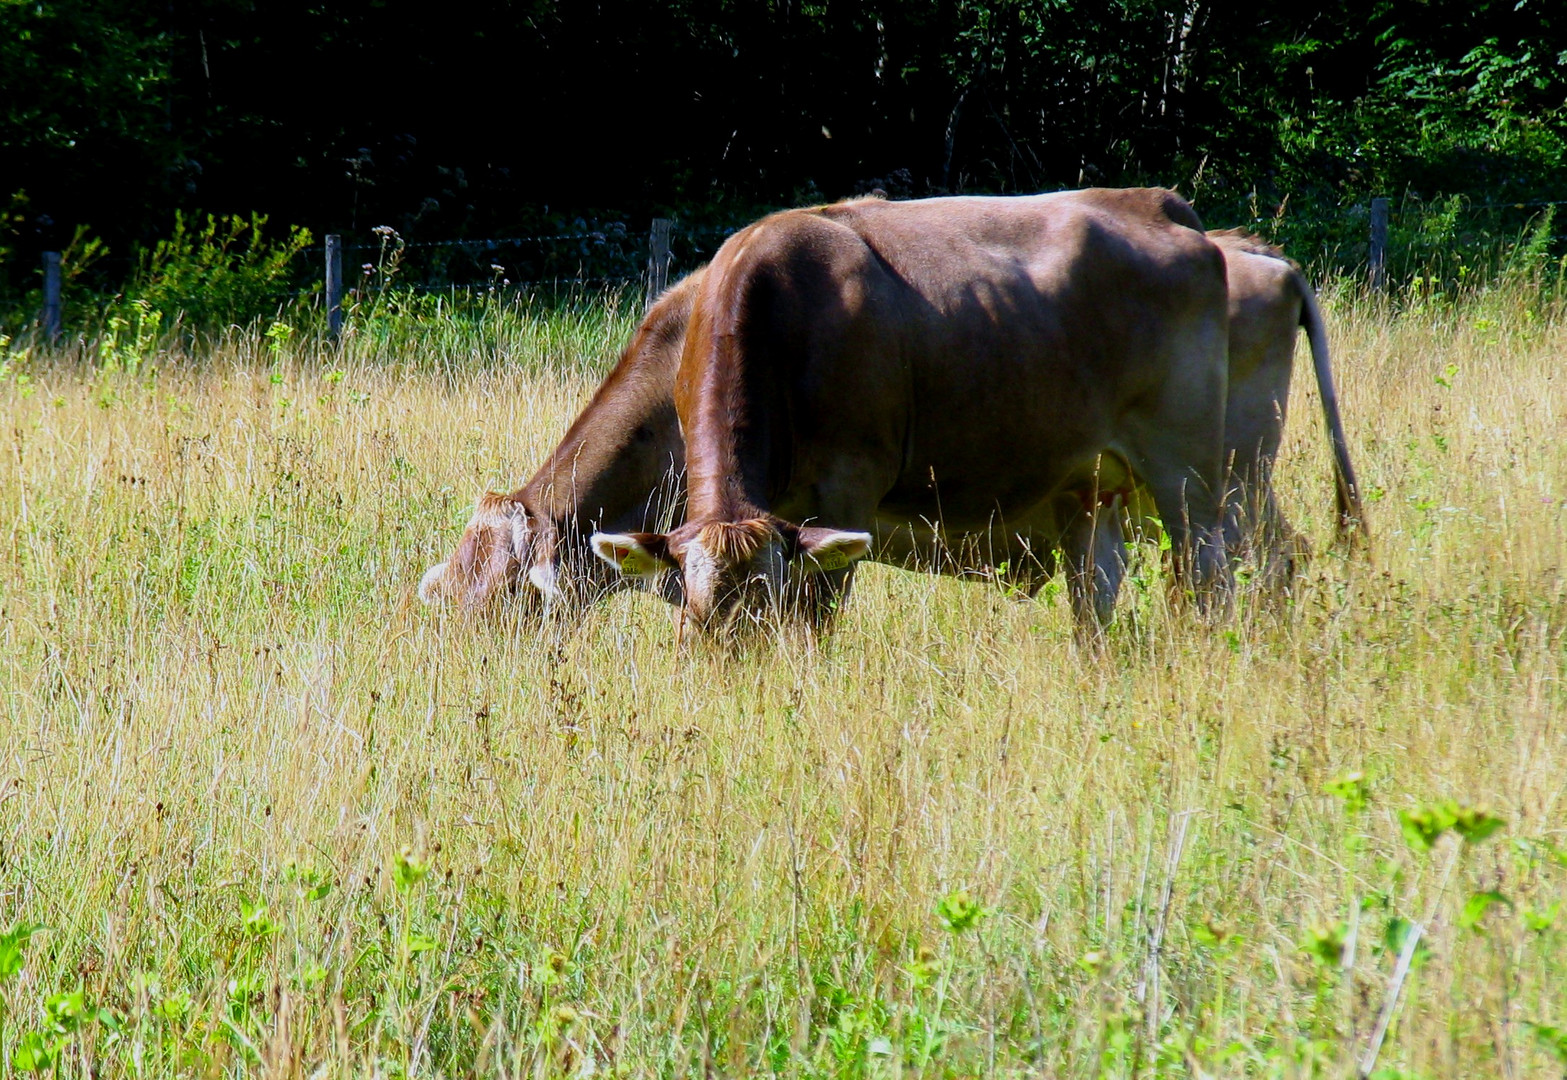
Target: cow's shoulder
{"type": "Point", "coordinates": [777, 239]}
{"type": "Point", "coordinates": [813, 254]}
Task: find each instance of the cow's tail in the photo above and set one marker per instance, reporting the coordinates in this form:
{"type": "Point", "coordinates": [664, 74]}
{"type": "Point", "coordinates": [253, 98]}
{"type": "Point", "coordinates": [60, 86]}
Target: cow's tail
{"type": "Point", "coordinates": [1352, 527]}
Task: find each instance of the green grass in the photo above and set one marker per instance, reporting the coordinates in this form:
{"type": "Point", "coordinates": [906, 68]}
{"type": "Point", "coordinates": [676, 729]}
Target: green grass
{"type": "Point", "coordinates": [275, 818]}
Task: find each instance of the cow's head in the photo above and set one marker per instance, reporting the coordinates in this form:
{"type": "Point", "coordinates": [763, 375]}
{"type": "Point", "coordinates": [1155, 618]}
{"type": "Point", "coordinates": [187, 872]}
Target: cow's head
{"type": "Point", "coordinates": [504, 548]}
{"type": "Point", "coordinates": [734, 572]}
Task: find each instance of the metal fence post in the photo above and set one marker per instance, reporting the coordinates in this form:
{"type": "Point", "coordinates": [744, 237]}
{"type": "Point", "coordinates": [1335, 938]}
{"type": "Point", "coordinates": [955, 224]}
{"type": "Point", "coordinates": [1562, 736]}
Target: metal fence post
{"type": "Point", "coordinates": [1377, 263]}
{"type": "Point", "coordinates": [658, 258]}
{"type": "Point", "coordinates": [51, 313]}
{"type": "Point", "coordinates": [334, 284]}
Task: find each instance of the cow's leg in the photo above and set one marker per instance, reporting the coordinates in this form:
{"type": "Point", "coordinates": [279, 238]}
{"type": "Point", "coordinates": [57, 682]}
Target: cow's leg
{"type": "Point", "coordinates": [1031, 563]}
{"type": "Point", "coordinates": [1095, 564]}
{"type": "Point", "coordinates": [1191, 512]}
{"type": "Point", "coordinates": [1282, 553]}
{"type": "Point", "coordinates": [1178, 453]}
{"type": "Point", "coordinates": [1253, 430]}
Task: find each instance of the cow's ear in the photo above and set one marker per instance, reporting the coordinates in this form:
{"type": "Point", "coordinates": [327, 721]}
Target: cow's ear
{"type": "Point", "coordinates": [636, 555]}
{"type": "Point", "coordinates": [430, 584]}
{"type": "Point", "coordinates": [829, 549]}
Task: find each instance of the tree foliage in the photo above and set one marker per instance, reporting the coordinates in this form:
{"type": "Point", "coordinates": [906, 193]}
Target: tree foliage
{"type": "Point", "coordinates": [493, 115]}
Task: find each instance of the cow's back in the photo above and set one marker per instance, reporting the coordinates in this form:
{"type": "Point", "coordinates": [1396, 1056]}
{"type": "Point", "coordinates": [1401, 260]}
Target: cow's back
{"type": "Point", "coordinates": [1264, 301]}
{"type": "Point", "coordinates": [954, 341]}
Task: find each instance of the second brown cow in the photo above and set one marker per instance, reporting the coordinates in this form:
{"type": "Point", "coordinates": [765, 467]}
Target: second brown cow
{"type": "Point", "coordinates": [872, 377]}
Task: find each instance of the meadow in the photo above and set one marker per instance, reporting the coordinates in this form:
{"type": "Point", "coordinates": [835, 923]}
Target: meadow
{"type": "Point", "coordinates": [263, 814]}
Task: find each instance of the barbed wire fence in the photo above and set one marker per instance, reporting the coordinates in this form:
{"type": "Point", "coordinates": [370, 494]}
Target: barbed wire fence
{"type": "Point", "coordinates": [608, 258]}
{"type": "Point", "coordinates": [343, 274]}
{"type": "Point", "coordinates": [1365, 235]}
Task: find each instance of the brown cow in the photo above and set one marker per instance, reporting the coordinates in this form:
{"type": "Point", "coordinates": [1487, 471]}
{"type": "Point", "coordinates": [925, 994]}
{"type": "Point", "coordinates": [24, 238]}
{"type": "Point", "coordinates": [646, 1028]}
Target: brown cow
{"type": "Point", "coordinates": [1269, 300]}
{"type": "Point", "coordinates": [619, 466]}
{"type": "Point", "coordinates": [992, 365]}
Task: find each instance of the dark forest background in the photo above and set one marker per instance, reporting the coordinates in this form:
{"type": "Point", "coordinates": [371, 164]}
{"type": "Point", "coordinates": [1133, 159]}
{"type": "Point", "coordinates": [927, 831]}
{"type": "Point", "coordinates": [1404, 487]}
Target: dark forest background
{"type": "Point", "coordinates": [495, 118]}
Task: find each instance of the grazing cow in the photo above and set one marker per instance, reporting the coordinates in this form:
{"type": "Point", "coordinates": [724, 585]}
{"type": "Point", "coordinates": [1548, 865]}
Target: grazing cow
{"type": "Point", "coordinates": [1270, 300]}
{"type": "Point", "coordinates": [618, 467]}
{"type": "Point", "coordinates": [972, 367]}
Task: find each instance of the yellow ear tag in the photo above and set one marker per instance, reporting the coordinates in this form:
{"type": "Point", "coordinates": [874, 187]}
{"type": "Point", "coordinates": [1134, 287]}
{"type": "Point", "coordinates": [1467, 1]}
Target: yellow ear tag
{"type": "Point", "coordinates": [833, 560]}
{"type": "Point", "coordinates": [636, 563]}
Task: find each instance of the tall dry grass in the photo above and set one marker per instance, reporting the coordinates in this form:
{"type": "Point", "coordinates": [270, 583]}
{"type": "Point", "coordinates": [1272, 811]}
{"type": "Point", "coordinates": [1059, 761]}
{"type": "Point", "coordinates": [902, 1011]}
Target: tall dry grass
{"type": "Point", "coordinates": [277, 819]}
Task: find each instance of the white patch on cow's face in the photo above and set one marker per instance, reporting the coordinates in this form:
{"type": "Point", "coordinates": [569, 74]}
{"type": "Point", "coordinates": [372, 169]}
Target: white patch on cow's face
{"type": "Point", "coordinates": [701, 577]}
{"type": "Point", "coordinates": [489, 558]}
{"type": "Point", "coordinates": [544, 573]}
{"type": "Point", "coordinates": [545, 578]}
{"type": "Point", "coordinates": [718, 594]}
{"type": "Point", "coordinates": [430, 582]}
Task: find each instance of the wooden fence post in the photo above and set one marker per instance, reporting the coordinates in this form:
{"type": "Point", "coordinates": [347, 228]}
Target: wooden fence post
{"type": "Point", "coordinates": [51, 313]}
{"type": "Point", "coordinates": [1377, 263]}
{"type": "Point", "coordinates": [334, 284]}
{"type": "Point", "coordinates": [658, 258]}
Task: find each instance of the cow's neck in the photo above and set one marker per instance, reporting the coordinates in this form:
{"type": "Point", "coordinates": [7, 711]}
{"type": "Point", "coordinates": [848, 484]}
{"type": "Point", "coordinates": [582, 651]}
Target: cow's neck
{"type": "Point", "coordinates": [727, 479]}
{"type": "Point", "coordinates": [622, 449]}
{"type": "Point", "coordinates": [608, 470]}
{"type": "Point", "coordinates": [734, 464]}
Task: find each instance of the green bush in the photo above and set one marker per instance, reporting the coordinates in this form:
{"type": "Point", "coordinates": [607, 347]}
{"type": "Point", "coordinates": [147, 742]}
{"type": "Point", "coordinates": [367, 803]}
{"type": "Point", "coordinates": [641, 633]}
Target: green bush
{"type": "Point", "coordinates": [220, 272]}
